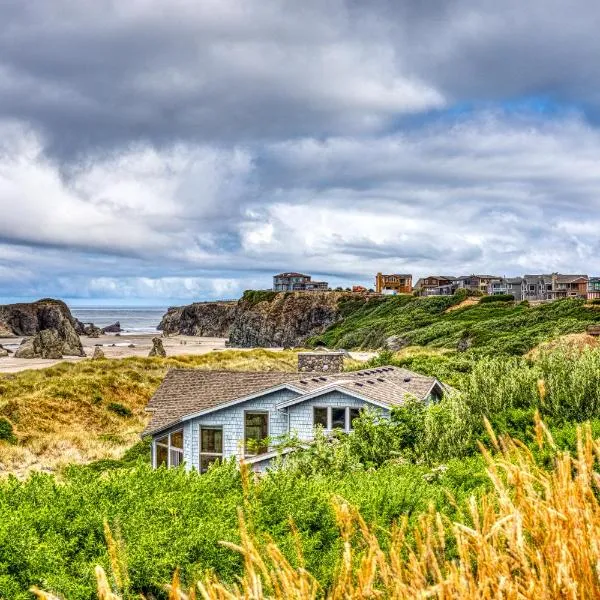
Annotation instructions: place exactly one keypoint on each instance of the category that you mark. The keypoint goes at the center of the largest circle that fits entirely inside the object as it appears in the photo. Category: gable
(187, 391)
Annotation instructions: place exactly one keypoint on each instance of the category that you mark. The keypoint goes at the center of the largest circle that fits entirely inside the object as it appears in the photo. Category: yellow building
(393, 284)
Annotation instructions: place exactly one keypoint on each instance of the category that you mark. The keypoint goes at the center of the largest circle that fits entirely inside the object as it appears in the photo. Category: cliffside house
(435, 285)
(199, 417)
(569, 286)
(475, 283)
(593, 288)
(507, 285)
(393, 284)
(297, 282)
(554, 286)
(537, 287)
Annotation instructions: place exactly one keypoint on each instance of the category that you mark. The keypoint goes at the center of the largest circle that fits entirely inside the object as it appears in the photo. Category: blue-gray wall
(232, 421)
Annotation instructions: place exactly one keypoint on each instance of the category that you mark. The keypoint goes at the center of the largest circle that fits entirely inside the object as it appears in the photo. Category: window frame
(347, 421)
(216, 455)
(170, 448)
(256, 412)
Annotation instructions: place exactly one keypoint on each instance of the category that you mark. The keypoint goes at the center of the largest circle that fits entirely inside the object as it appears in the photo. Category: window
(335, 417)
(338, 418)
(320, 416)
(256, 430)
(353, 413)
(211, 446)
(169, 449)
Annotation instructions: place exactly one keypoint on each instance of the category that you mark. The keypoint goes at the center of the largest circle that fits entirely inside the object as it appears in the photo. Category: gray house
(507, 285)
(199, 417)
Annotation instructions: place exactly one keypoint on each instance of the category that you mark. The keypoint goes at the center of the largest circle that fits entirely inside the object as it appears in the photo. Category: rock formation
(89, 329)
(114, 328)
(46, 344)
(28, 319)
(395, 343)
(5, 332)
(280, 319)
(157, 348)
(98, 353)
(31, 319)
(207, 319)
(3, 351)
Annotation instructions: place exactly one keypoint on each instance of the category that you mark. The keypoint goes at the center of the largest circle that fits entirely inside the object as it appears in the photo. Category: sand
(117, 346)
(114, 346)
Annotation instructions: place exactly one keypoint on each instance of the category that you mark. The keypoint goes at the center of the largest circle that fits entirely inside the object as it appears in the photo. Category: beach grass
(94, 409)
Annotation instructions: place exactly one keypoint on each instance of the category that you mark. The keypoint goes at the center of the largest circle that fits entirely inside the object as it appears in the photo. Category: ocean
(134, 320)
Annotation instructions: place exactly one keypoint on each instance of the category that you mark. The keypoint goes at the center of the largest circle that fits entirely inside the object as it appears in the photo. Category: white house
(202, 416)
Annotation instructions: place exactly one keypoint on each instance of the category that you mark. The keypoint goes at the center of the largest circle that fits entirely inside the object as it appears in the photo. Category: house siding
(296, 419)
(301, 415)
(232, 421)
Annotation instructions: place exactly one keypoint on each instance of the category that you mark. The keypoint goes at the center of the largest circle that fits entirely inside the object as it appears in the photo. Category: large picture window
(335, 417)
(211, 446)
(256, 430)
(169, 449)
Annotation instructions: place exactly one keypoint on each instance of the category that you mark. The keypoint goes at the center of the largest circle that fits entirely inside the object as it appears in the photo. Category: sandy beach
(124, 345)
(113, 346)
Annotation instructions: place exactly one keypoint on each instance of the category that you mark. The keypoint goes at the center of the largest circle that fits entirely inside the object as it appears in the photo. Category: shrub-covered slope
(485, 328)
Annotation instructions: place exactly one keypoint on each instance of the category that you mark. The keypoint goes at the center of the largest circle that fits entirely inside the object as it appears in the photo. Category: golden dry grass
(61, 415)
(570, 342)
(471, 301)
(534, 537)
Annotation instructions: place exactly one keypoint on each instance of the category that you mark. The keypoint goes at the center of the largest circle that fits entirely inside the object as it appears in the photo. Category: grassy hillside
(77, 412)
(438, 322)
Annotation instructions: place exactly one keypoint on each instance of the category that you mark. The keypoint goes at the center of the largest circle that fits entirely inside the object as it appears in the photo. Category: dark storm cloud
(100, 73)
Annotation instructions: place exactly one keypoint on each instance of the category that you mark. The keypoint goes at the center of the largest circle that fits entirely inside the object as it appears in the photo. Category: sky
(159, 152)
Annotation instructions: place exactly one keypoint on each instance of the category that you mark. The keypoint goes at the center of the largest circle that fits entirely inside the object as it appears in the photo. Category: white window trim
(210, 454)
(347, 424)
(169, 448)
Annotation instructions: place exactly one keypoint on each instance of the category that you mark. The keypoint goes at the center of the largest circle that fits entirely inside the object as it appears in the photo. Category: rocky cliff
(260, 319)
(29, 319)
(207, 319)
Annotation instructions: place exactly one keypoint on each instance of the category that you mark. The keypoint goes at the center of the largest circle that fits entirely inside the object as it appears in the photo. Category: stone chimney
(320, 362)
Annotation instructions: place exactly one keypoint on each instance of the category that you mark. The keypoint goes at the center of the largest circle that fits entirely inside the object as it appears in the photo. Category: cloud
(102, 73)
(484, 193)
(189, 150)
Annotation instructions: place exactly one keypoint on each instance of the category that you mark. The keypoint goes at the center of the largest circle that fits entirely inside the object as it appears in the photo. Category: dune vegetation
(411, 479)
(533, 535)
(94, 409)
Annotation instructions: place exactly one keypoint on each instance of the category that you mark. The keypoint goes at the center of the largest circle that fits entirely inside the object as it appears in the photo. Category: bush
(120, 409)
(256, 296)
(6, 431)
(497, 298)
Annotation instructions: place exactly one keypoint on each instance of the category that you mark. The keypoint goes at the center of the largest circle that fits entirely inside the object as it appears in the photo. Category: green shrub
(6, 431)
(256, 296)
(495, 327)
(497, 298)
(120, 409)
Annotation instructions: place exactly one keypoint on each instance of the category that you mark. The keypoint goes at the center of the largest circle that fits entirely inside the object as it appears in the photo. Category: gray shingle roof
(569, 278)
(187, 391)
